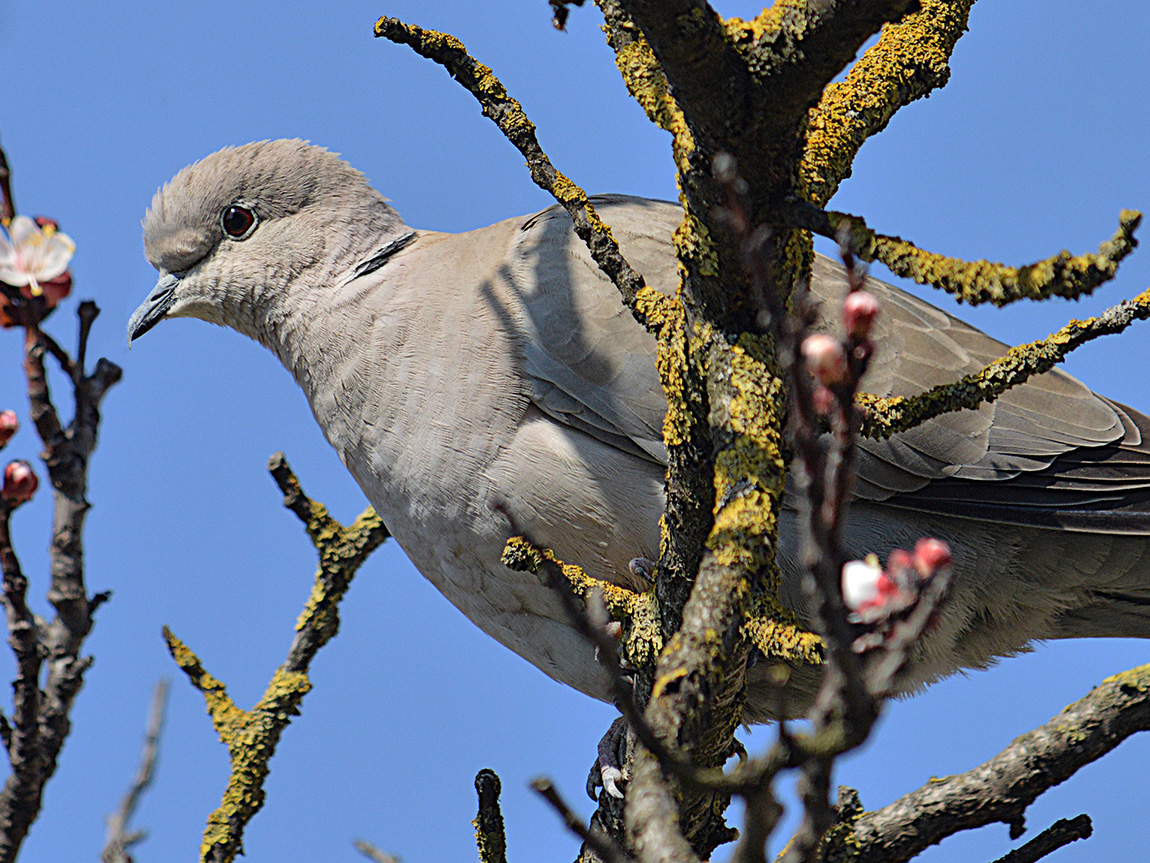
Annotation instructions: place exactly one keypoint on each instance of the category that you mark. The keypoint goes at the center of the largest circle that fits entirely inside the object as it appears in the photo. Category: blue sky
(1035, 146)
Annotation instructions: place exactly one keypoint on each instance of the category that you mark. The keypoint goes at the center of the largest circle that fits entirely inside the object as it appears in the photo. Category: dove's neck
(316, 304)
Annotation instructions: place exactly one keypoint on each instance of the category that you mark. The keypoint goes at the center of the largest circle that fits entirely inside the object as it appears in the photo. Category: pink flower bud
(931, 555)
(8, 426)
(825, 358)
(899, 560)
(19, 482)
(859, 312)
(823, 401)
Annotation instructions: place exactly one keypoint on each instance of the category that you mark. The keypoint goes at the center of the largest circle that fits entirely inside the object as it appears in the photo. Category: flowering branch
(33, 277)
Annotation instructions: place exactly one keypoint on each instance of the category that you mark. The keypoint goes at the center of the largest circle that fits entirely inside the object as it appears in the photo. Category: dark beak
(154, 307)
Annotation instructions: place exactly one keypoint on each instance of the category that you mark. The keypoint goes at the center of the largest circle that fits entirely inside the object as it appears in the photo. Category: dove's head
(238, 233)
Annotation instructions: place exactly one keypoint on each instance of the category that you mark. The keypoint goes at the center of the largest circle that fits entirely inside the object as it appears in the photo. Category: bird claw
(610, 777)
(606, 771)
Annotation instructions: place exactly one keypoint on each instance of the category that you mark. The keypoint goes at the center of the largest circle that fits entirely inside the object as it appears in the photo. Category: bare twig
(599, 842)
(372, 853)
(119, 839)
(1060, 833)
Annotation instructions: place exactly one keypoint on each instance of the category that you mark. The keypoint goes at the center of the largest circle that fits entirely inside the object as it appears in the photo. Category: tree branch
(40, 718)
(648, 306)
(1001, 789)
(887, 416)
(119, 840)
(909, 61)
(252, 736)
(1060, 833)
(488, 823)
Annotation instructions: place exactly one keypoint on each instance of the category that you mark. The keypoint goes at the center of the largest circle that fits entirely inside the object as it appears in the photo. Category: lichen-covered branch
(647, 305)
(488, 823)
(974, 282)
(909, 61)
(1001, 789)
(642, 639)
(710, 80)
(252, 735)
(645, 80)
(884, 417)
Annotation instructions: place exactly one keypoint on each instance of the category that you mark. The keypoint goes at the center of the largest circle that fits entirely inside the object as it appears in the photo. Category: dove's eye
(238, 221)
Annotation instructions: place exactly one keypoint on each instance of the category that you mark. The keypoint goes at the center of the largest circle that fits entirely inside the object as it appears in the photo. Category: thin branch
(1060, 833)
(599, 842)
(1001, 789)
(252, 736)
(888, 416)
(972, 282)
(976, 282)
(119, 839)
(372, 853)
(647, 305)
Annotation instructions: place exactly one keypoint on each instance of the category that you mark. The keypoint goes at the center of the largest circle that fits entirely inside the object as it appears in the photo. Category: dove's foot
(607, 771)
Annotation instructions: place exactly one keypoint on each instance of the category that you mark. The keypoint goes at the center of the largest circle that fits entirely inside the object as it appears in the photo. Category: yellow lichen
(742, 33)
(648, 86)
(909, 60)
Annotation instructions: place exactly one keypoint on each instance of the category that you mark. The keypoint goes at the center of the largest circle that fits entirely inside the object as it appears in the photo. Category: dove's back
(508, 390)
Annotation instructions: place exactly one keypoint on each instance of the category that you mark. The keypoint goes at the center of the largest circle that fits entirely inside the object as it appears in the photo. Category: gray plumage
(464, 376)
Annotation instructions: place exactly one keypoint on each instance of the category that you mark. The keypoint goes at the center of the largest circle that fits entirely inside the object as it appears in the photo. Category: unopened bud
(860, 309)
(931, 555)
(19, 482)
(823, 401)
(899, 560)
(825, 358)
(8, 426)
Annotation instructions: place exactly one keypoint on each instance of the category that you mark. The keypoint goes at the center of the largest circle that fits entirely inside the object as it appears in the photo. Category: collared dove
(471, 381)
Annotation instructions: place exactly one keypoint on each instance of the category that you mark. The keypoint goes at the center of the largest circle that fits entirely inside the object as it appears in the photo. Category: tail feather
(1115, 614)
